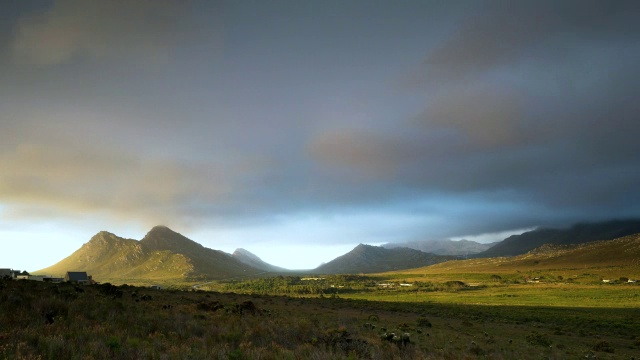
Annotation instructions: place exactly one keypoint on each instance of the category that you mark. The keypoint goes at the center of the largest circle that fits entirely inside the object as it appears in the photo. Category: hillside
(577, 234)
(254, 261)
(444, 247)
(161, 256)
(371, 259)
(620, 255)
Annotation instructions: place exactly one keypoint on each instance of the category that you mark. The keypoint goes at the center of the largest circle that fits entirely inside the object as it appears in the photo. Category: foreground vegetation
(63, 321)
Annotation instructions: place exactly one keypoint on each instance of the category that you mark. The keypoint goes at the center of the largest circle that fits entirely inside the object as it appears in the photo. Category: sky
(299, 129)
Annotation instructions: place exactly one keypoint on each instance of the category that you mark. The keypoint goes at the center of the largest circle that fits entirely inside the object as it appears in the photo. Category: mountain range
(373, 259)
(165, 256)
(444, 247)
(576, 234)
(602, 257)
(162, 255)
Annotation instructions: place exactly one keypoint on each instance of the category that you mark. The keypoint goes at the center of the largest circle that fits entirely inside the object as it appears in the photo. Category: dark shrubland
(62, 321)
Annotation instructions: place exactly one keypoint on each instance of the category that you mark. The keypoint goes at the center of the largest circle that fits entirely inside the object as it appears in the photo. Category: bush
(603, 345)
(423, 322)
(535, 338)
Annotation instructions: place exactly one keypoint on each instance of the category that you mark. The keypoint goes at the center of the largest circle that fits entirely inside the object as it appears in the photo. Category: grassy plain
(555, 295)
(49, 321)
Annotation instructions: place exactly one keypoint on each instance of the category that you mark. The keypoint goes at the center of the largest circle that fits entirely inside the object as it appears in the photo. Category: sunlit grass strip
(518, 295)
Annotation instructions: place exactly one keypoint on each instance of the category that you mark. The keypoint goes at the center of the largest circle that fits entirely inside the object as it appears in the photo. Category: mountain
(373, 259)
(444, 247)
(620, 256)
(163, 255)
(254, 261)
(577, 234)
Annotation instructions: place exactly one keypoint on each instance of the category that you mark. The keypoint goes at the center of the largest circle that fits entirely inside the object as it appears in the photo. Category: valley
(556, 301)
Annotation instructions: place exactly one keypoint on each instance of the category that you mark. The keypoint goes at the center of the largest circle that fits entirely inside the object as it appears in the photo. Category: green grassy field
(599, 296)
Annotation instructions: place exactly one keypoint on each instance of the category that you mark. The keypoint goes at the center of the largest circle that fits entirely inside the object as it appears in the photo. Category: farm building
(6, 272)
(79, 277)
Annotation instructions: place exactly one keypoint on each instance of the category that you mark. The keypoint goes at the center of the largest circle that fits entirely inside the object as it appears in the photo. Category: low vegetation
(556, 302)
(54, 321)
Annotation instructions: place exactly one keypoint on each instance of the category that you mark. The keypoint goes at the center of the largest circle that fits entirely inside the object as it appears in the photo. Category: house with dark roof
(6, 272)
(78, 277)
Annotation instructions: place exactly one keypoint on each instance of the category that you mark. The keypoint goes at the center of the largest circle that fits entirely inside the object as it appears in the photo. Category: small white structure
(155, 287)
(39, 277)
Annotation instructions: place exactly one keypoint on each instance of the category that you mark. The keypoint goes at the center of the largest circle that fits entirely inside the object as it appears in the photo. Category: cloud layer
(107, 30)
(517, 114)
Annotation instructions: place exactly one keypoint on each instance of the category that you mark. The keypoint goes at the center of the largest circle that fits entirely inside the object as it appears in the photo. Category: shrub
(423, 322)
(535, 338)
(603, 345)
(113, 343)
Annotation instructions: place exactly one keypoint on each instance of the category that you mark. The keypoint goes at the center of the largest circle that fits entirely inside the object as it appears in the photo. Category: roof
(77, 276)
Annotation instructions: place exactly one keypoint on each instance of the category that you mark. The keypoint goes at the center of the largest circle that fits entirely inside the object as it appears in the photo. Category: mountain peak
(162, 238)
(363, 247)
(161, 228)
(245, 252)
(251, 259)
(103, 237)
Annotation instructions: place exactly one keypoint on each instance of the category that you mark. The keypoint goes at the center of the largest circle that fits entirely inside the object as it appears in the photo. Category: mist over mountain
(576, 234)
(373, 259)
(444, 247)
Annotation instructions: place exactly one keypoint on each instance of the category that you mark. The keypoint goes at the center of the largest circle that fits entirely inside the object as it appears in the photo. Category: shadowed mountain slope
(444, 247)
(606, 255)
(373, 259)
(577, 234)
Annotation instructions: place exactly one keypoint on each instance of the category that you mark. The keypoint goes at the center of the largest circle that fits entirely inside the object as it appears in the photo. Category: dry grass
(47, 321)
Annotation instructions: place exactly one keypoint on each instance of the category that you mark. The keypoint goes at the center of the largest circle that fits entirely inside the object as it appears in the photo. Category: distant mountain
(254, 261)
(444, 247)
(163, 255)
(623, 251)
(373, 259)
(620, 255)
(577, 234)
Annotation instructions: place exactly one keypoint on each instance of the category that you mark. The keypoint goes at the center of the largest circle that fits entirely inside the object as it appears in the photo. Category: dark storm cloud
(527, 113)
(532, 104)
(508, 32)
(98, 29)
